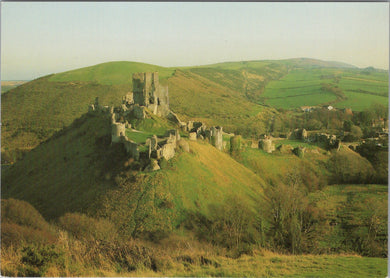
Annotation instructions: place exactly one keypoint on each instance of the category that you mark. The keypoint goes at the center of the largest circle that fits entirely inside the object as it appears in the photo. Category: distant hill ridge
(114, 72)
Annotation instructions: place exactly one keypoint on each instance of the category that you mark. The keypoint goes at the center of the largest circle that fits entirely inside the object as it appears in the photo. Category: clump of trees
(350, 167)
(378, 157)
(359, 125)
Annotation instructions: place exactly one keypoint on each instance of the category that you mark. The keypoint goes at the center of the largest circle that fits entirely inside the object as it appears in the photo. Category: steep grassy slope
(75, 169)
(67, 172)
(35, 110)
(208, 176)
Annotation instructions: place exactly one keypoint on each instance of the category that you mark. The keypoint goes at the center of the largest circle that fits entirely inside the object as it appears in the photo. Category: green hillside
(35, 110)
(77, 168)
(240, 96)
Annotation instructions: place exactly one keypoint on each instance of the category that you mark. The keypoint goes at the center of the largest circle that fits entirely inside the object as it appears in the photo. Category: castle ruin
(148, 92)
(150, 97)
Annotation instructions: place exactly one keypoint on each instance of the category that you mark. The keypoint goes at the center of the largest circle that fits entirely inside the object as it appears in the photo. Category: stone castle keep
(148, 92)
(150, 97)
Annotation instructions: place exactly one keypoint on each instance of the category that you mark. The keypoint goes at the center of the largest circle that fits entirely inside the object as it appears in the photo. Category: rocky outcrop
(174, 118)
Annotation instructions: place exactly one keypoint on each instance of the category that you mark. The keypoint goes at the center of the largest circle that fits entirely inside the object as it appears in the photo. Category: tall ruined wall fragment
(266, 145)
(148, 92)
(216, 137)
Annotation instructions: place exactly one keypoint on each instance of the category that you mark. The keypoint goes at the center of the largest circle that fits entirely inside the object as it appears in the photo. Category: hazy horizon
(38, 39)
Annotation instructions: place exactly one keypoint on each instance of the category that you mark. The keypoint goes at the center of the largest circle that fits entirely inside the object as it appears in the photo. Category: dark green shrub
(36, 260)
(347, 125)
(313, 124)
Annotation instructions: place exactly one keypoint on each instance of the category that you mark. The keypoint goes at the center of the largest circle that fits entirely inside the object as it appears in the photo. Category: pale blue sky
(49, 37)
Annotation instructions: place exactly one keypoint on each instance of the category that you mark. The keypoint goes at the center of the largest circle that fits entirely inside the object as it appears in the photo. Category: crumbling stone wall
(175, 133)
(266, 145)
(131, 148)
(128, 99)
(298, 134)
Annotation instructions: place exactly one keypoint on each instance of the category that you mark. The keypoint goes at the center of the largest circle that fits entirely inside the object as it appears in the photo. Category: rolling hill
(78, 171)
(240, 96)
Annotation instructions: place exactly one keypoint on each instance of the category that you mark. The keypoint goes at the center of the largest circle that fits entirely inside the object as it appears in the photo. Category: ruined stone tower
(216, 137)
(148, 92)
(117, 131)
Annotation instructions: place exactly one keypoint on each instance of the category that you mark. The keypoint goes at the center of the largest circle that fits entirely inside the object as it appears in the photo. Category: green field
(294, 143)
(303, 87)
(361, 101)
